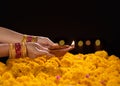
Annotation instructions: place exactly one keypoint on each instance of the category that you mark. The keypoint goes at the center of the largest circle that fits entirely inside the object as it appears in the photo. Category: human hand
(46, 42)
(46, 46)
(35, 50)
(55, 48)
(62, 49)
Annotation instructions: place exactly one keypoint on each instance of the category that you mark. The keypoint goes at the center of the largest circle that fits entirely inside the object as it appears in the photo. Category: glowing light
(80, 43)
(61, 42)
(73, 43)
(97, 42)
(88, 42)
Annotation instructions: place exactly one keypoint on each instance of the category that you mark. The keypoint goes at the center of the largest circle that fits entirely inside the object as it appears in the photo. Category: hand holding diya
(60, 50)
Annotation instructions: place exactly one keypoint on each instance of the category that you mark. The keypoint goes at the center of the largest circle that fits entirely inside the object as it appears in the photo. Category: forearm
(9, 36)
(4, 50)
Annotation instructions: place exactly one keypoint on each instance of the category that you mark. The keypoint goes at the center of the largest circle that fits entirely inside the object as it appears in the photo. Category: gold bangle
(34, 39)
(24, 50)
(11, 51)
(24, 38)
(27, 38)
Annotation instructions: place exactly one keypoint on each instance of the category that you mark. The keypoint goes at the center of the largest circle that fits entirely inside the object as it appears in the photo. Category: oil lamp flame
(73, 43)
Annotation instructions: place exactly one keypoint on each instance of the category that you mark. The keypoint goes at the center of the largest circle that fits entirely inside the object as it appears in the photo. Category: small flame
(73, 43)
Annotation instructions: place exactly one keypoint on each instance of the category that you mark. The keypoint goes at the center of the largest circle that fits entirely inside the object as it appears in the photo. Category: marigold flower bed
(92, 69)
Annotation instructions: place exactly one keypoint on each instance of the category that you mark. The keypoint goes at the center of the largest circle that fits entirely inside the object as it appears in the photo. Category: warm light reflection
(97, 42)
(61, 42)
(88, 42)
(80, 43)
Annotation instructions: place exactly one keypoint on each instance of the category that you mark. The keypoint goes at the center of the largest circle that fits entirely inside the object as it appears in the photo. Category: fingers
(54, 47)
(43, 52)
(36, 50)
(40, 47)
(63, 48)
(67, 49)
(45, 41)
(55, 50)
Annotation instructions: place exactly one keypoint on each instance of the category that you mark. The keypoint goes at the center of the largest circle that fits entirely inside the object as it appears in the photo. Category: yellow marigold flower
(6, 76)
(66, 62)
(113, 82)
(102, 53)
(2, 68)
(40, 60)
(113, 58)
(92, 69)
(20, 69)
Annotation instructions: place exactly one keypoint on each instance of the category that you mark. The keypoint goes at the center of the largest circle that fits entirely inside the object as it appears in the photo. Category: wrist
(4, 50)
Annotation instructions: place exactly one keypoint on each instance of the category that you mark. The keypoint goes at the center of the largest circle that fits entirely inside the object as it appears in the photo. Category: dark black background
(68, 20)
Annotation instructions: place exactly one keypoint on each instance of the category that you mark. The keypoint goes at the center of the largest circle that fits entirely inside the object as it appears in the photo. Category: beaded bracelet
(17, 50)
(27, 38)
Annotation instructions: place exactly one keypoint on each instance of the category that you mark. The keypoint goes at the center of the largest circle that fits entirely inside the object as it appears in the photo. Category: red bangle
(18, 50)
(29, 38)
